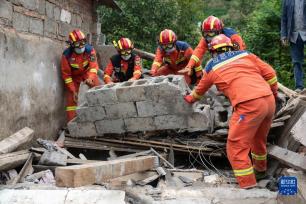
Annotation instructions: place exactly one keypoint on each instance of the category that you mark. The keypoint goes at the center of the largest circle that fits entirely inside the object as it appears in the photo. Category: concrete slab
(66, 196)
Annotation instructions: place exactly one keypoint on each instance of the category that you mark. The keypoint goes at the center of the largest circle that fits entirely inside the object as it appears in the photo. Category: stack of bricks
(144, 105)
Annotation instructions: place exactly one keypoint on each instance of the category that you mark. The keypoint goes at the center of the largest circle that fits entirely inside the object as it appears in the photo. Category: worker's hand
(109, 82)
(187, 70)
(89, 82)
(75, 97)
(153, 72)
(189, 99)
(132, 79)
(285, 41)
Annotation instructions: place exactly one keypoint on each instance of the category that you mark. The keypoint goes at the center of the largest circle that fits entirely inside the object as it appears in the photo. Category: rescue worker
(211, 27)
(125, 65)
(78, 63)
(173, 55)
(251, 86)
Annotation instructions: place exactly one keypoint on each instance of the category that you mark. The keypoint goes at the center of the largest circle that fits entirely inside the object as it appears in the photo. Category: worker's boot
(260, 175)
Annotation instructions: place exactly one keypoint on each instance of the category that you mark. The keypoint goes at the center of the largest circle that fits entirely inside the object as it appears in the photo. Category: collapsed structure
(146, 105)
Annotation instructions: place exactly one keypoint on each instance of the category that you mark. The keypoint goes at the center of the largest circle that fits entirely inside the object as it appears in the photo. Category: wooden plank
(14, 141)
(288, 157)
(80, 161)
(100, 172)
(12, 160)
(26, 170)
(298, 130)
(287, 91)
(162, 158)
(144, 153)
(148, 180)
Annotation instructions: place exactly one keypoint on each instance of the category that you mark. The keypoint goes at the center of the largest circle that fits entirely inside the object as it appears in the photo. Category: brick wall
(49, 18)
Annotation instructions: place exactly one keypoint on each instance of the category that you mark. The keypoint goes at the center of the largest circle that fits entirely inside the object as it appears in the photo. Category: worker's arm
(268, 73)
(197, 67)
(157, 63)
(137, 68)
(238, 42)
(108, 73)
(93, 66)
(197, 93)
(198, 54)
(66, 74)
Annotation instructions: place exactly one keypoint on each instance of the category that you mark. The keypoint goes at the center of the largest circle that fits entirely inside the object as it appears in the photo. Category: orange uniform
(202, 47)
(124, 70)
(165, 64)
(76, 68)
(250, 84)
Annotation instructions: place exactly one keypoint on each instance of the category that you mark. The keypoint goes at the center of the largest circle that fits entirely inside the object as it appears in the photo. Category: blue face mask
(79, 50)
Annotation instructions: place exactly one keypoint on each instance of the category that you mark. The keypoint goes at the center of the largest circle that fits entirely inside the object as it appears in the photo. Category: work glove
(75, 97)
(189, 99)
(132, 79)
(285, 41)
(89, 82)
(153, 72)
(187, 70)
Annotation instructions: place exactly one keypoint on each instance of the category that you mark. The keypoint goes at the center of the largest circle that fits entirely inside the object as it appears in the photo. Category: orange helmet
(211, 26)
(219, 42)
(76, 36)
(124, 46)
(167, 37)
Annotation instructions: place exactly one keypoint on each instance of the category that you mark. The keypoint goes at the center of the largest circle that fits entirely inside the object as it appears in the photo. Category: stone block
(175, 104)
(36, 26)
(115, 126)
(79, 129)
(50, 10)
(50, 26)
(42, 7)
(101, 172)
(65, 16)
(6, 10)
(159, 88)
(90, 114)
(102, 95)
(139, 124)
(21, 22)
(150, 108)
(28, 4)
(64, 29)
(199, 122)
(167, 122)
(127, 92)
(121, 110)
(57, 13)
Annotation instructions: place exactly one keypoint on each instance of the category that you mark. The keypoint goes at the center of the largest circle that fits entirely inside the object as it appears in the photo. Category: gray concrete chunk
(198, 122)
(121, 110)
(6, 10)
(127, 92)
(50, 26)
(110, 126)
(102, 95)
(36, 26)
(81, 129)
(139, 124)
(150, 108)
(50, 10)
(53, 158)
(21, 22)
(90, 114)
(167, 122)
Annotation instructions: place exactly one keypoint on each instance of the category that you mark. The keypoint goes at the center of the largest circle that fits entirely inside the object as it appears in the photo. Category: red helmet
(220, 41)
(76, 36)
(211, 25)
(167, 37)
(124, 46)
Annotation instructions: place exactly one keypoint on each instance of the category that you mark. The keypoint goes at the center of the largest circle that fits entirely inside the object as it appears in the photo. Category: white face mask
(126, 57)
(79, 50)
(168, 51)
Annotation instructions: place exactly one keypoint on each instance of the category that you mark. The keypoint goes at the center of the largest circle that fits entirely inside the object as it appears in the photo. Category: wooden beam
(27, 169)
(12, 160)
(14, 141)
(288, 157)
(287, 91)
(100, 172)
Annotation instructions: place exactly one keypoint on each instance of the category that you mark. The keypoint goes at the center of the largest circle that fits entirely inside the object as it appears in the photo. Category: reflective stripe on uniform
(68, 80)
(106, 76)
(272, 81)
(195, 95)
(85, 63)
(157, 63)
(229, 60)
(199, 68)
(74, 65)
(166, 59)
(244, 172)
(180, 60)
(259, 157)
(71, 108)
(137, 72)
(195, 58)
(93, 70)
